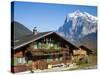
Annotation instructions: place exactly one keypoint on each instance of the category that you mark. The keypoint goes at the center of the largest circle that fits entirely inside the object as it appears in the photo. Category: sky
(45, 16)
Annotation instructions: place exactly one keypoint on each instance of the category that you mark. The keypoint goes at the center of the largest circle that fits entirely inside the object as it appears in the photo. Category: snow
(82, 24)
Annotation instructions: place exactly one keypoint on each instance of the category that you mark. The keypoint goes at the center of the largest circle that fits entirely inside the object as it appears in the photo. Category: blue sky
(44, 16)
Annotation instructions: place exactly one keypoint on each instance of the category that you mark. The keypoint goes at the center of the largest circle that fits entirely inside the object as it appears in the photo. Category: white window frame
(21, 60)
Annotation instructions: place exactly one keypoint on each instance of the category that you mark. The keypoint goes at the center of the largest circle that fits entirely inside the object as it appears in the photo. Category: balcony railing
(50, 51)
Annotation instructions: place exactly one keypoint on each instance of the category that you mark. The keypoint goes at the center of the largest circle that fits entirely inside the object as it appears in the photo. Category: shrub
(82, 61)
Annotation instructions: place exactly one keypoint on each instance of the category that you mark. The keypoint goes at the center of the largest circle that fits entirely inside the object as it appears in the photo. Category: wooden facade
(82, 53)
(79, 54)
(40, 54)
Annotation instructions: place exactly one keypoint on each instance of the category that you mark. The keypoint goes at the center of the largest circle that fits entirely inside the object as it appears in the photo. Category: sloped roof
(31, 38)
(85, 48)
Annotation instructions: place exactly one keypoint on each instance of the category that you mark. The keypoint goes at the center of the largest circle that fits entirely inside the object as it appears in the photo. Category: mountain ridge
(78, 26)
(19, 30)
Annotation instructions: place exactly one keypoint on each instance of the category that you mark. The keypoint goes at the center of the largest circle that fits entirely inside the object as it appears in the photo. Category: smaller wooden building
(81, 53)
(88, 51)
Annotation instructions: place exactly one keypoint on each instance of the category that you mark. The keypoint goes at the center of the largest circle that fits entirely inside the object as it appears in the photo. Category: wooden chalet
(40, 50)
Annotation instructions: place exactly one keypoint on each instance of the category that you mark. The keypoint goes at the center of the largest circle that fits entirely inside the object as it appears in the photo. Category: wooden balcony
(39, 52)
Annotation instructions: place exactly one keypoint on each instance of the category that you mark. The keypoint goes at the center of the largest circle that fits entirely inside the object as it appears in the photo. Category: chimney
(35, 31)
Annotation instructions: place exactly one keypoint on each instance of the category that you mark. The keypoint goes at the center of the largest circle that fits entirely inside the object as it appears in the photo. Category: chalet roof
(22, 41)
(85, 48)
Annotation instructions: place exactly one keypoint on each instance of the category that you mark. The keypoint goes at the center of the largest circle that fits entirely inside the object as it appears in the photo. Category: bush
(82, 61)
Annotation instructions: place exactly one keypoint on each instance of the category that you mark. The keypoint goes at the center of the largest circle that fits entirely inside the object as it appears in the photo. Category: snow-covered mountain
(77, 25)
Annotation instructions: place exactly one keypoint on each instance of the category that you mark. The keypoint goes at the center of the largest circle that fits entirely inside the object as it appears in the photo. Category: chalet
(81, 53)
(40, 51)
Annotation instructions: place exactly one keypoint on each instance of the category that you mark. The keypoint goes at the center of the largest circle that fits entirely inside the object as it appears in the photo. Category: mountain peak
(75, 13)
(78, 13)
(78, 25)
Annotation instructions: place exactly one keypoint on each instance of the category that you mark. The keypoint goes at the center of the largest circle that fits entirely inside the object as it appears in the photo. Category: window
(35, 45)
(21, 60)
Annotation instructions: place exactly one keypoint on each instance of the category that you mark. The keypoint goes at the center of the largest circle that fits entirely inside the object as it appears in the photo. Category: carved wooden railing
(49, 51)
